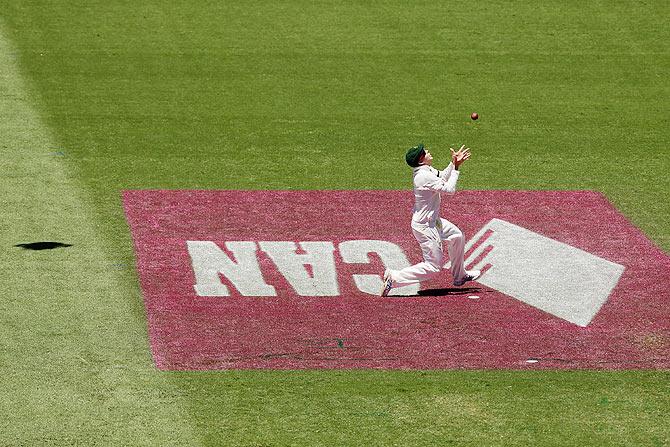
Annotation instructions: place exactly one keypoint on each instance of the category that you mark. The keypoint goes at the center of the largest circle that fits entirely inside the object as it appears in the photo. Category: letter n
(244, 272)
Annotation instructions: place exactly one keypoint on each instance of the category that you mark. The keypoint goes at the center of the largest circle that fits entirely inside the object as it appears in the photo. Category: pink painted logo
(291, 280)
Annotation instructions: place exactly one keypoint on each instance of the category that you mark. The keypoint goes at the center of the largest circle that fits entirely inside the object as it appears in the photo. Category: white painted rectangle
(552, 276)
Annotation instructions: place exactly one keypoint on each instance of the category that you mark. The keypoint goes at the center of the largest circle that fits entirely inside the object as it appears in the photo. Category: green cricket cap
(414, 154)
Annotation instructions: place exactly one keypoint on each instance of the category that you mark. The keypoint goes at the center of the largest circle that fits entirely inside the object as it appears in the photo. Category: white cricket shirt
(429, 183)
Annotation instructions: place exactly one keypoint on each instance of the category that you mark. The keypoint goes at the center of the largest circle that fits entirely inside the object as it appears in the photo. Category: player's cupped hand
(459, 157)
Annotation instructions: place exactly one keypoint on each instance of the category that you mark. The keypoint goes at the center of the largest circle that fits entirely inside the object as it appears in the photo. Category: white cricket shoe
(469, 276)
(388, 283)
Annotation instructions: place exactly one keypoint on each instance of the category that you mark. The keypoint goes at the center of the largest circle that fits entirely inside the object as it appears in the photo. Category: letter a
(244, 273)
(319, 255)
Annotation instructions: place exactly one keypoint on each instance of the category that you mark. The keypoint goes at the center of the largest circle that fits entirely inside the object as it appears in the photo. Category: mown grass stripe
(69, 330)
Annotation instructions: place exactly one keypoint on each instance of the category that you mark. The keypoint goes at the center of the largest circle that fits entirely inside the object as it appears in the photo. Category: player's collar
(422, 167)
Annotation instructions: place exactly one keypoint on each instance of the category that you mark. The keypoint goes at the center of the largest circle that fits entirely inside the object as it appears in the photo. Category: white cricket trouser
(430, 239)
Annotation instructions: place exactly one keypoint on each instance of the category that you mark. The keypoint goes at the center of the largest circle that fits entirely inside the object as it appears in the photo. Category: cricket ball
(474, 116)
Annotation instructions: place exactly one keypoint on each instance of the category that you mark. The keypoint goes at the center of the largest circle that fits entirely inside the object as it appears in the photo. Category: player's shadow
(42, 245)
(442, 292)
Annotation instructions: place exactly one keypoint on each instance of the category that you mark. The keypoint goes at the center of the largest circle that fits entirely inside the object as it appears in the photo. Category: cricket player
(429, 229)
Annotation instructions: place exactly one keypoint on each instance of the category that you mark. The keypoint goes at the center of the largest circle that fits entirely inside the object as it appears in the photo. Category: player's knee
(457, 238)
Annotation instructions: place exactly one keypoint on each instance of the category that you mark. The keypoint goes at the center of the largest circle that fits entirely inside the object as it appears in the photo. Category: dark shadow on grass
(442, 292)
(42, 245)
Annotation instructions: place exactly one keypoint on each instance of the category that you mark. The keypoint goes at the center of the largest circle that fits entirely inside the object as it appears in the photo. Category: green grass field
(97, 97)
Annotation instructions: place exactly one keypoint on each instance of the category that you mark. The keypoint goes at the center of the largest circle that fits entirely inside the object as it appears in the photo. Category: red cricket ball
(474, 116)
